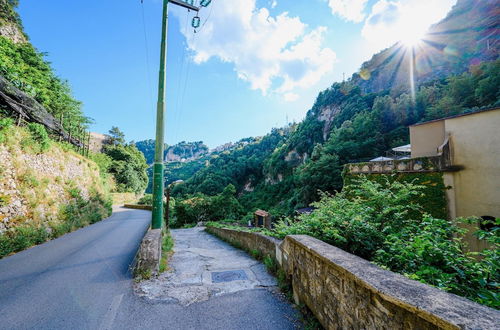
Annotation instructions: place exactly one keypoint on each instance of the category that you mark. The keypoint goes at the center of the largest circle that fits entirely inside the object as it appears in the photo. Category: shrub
(381, 223)
(5, 124)
(39, 136)
(147, 199)
(21, 238)
(76, 214)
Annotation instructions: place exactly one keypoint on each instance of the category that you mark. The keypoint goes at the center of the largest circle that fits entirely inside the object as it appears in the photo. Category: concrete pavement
(82, 281)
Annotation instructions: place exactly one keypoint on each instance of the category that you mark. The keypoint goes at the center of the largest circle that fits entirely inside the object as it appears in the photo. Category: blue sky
(254, 63)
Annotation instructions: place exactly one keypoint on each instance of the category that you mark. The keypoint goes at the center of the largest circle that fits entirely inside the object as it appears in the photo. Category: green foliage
(147, 199)
(8, 13)
(27, 69)
(76, 214)
(289, 167)
(432, 194)
(5, 124)
(201, 207)
(116, 137)
(104, 163)
(39, 136)
(166, 251)
(384, 223)
(147, 147)
(21, 238)
(128, 167)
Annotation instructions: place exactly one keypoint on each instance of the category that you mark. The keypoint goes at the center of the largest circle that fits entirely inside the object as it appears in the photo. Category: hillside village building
(466, 149)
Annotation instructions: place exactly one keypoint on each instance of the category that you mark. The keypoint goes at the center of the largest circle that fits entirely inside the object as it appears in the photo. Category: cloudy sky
(251, 66)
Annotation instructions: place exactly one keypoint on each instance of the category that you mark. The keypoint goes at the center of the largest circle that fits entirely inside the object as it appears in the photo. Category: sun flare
(411, 35)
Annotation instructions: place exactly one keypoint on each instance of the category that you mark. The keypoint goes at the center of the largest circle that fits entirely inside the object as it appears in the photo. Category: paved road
(82, 281)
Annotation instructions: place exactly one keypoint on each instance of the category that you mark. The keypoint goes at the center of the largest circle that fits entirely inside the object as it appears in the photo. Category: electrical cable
(146, 43)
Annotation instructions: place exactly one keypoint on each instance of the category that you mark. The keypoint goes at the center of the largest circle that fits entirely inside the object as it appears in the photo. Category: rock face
(186, 151)
(11, 31)
(24, 106)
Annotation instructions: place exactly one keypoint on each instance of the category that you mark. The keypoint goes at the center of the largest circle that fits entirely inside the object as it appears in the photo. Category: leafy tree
(116, 137)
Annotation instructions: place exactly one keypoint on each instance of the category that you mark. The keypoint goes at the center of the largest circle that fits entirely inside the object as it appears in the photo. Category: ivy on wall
(433, 197)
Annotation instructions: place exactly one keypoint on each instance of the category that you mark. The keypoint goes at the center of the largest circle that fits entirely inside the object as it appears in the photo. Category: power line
(146, 43)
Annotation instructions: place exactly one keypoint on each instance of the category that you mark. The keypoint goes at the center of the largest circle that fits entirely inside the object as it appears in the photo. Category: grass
(167, 251)
(49, 212)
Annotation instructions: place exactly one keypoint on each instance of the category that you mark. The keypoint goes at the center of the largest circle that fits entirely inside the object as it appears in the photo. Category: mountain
(185, 151)
(467, 36)
(455, 69)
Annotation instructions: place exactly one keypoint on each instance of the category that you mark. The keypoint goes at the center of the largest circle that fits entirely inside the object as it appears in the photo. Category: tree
(128, 166)
(116, 137)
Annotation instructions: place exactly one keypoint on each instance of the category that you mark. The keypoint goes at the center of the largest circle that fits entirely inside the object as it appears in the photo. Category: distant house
(466, 149)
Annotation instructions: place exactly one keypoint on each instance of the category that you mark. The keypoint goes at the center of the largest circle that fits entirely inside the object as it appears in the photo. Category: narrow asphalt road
(82, 281)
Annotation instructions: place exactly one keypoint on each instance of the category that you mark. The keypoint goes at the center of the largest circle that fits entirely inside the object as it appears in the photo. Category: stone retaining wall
(148, 257)
(347, 292)
(138, 207)
(267, 246)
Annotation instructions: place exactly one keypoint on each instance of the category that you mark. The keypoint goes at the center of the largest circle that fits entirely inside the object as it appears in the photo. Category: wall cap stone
(443, 309)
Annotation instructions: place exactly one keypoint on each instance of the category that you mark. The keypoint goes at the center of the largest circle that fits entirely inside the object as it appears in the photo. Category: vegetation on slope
(46, 189)
(288, 168)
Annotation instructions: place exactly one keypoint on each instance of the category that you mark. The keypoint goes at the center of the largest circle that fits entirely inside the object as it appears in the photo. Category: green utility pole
(158, 168)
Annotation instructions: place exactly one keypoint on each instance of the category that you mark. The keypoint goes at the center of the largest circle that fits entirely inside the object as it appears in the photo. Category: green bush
(147, 199)
(383, 223)
(40, 137)
(5, 124)
(76, 214)
(21, 238)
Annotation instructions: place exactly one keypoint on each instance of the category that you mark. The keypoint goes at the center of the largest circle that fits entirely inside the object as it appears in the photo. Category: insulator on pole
(205, 3)
(196, 22)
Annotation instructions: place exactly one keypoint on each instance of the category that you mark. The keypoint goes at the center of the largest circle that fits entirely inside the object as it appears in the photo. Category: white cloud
(350, 10)
(274, 54)
(290, 97)
(274, 4)
(404, 20)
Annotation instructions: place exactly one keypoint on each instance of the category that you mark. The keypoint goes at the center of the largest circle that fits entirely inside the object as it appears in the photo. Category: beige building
(471, 142)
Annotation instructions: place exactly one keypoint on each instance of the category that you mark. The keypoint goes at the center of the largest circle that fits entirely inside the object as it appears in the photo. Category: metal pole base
(158, 190)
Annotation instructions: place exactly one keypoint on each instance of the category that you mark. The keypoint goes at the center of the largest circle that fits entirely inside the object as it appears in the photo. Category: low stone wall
(138, 207)
(347, 292)
(149, 255)
(267, 246)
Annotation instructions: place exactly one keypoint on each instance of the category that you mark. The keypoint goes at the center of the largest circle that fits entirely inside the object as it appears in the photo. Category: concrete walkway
(204, 266)
(82, 281)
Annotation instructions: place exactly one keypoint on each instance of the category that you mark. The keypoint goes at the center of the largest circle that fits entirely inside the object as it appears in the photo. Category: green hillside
(363, 117)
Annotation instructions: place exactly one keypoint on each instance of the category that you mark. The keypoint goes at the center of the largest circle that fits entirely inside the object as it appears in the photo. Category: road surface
(82, 281)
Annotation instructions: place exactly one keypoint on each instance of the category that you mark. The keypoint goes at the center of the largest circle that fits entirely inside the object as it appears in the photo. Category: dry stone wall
(33, 187)
(267, 246)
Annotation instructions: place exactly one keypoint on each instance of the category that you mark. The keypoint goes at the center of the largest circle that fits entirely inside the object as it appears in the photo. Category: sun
(411, 37)
(411, 33)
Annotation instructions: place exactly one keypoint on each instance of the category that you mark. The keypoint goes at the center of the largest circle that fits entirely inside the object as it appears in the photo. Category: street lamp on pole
(158, 166)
